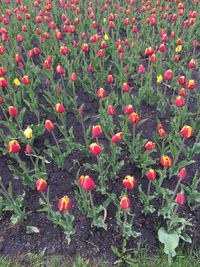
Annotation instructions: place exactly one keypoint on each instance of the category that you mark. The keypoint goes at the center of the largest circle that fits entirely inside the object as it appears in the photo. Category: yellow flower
(106, 37)
(179, 48)
(16, 82)
(104, 20)
(159, 79)
(28, 133)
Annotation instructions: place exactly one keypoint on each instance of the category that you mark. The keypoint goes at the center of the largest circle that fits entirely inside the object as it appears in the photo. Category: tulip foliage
(106, 94)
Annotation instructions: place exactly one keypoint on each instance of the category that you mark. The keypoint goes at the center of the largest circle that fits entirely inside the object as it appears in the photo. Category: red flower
(191, 84)
(179, 101)
(41, 185)
(86, 182)
(168, 75)
(192, 64)
(25, 80)
(85, 48)
(101, 93)
(49, 125)
(150, 145)
(186, 131)
(60, 108)
(181, 80)
(141, 69)
(151, 174)
(134, 118)
(111, 110)
(180, 199)
(14, 146)
(96, 131)
(166, 161)
(64, 50)
(73, 77)
(125, 202)
(182, 173)
(3, 82)
(125, 87)
(129, 181)
(64, 203)
(117, 137)
(28, 149)
(13, 112)
(60, 69)
(128, 109)
(95, 149)
(110, 79)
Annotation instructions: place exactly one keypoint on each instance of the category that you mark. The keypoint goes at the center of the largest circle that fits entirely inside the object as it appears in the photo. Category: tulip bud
(191, 84)
(85, 48)
(125, 87)
(151, 174)
(125, 202)
(60, 108)
(182, 173)
(64, 203)
(28, 133)
(110, 79)
(86, 182)
(159, 79)
(141, 69)
(13, 112)
(111, 110)
(129, 182)
(134, 118)
(179, 101)
(28, 149)
(96, 131)
(95, 149)
(101, 93)
(3, 82)
(186, 131)
(14, 146)
(168, 75)
(25, 80)
(117, 137)
(60, 70)
(73, 77)
(128, 109)
(180, 199)
(41, 185)
(165, 161)
(181, 80)
(150, 145)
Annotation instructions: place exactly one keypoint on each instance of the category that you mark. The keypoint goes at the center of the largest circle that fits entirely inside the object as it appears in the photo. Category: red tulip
(128, 109)
(180, 199)
(28, 149)
(134, 118)
(186, 131)
(168, 75)
(64, 203)
(95, 149)
(151, 174)
(182, 173)
(125, 202)
(13, 112)
(111, 110)
(14, 146)
(41, 185)
(179, 101)
(101, 93)
(86, 182)
(49, 125)
(96, 131)
(166, 161)
(129, 182)
(60, 108)
(150, 145)
(117, 137)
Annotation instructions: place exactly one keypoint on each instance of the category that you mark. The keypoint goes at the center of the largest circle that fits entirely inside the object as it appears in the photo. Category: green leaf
(32, 229)
(186, 238)
(170, 241)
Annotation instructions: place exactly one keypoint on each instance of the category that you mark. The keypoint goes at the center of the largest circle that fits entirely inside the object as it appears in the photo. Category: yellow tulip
(179, 48)
(16, 82)
(159, 79)
(28, 133)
